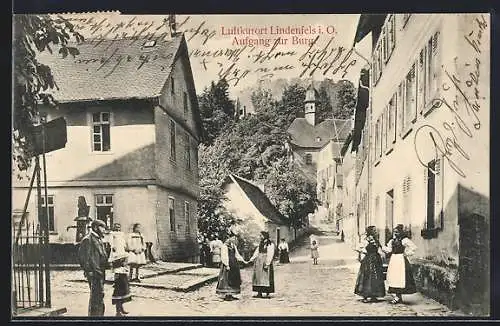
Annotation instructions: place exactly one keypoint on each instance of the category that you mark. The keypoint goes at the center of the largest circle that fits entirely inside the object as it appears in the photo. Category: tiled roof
(112, 69)
(259, 200)
(304, 134)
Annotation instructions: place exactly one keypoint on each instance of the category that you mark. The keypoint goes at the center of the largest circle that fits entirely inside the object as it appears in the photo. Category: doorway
(389, 214)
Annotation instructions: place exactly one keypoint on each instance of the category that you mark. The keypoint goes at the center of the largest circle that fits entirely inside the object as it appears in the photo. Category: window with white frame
(308, 159)
(187, 151)
(171, 213)
(101, 132)
(104, 208)
(49, 208)
(391, 117)
(385, 125)
(391, 35)
(407, 199)
(185, 103)
(432, 70)
(172, 140)
(433, 180)
(410, 98)
(400, 110)
(187, 216)
(384, 45)
(421, 81)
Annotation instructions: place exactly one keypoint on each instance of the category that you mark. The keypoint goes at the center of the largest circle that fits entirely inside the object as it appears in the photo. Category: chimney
(173, 26)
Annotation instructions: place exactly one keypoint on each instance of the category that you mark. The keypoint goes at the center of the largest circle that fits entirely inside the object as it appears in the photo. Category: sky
(245, 49)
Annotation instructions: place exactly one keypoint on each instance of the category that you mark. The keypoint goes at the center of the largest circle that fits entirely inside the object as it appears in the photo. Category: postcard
(251, 165)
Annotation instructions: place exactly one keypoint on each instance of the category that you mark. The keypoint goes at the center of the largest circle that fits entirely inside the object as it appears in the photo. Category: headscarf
(399, 231)
(264, 242)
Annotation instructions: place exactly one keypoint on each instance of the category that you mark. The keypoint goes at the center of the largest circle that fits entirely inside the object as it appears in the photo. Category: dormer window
(150, 44)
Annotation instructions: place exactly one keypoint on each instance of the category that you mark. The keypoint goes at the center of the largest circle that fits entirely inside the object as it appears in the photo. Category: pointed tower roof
(312, 94)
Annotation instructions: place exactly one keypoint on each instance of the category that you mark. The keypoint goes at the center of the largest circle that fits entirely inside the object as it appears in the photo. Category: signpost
(47, 137)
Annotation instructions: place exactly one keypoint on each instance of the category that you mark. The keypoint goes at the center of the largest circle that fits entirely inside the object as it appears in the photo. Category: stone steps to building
(40, 312)
(182, 277)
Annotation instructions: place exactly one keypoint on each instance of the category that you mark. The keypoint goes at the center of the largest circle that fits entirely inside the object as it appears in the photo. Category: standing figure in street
(399, 273)
(263, 272)
(370, 281)
(118, 241)
(206, 251)
(121, 292)
(136, 249)
(215, 250)
(229, 282)
(93, 259)
(283, 252)
(315, 251)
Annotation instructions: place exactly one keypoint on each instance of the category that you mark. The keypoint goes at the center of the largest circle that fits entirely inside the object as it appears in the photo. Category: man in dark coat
(93, 259)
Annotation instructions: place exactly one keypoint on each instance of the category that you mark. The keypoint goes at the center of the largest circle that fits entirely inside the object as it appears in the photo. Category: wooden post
(45, 224)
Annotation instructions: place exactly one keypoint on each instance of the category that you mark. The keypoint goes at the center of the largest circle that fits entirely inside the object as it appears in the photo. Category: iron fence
(29, 271)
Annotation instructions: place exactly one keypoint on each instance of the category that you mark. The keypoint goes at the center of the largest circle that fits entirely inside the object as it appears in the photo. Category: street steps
(183, 277)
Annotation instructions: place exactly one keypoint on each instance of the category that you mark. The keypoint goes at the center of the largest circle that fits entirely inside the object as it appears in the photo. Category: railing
(28, 269)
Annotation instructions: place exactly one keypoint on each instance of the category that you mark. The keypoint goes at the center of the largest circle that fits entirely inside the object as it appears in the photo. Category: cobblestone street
(302, 290)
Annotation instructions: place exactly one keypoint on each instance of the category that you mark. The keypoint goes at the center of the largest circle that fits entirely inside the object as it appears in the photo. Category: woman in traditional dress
(118, 240)
(136, 250)
(229, 281)
(370, 282)
(399, 272)
(121, 291)
(263, 272)
(215, 249)
(283, 252)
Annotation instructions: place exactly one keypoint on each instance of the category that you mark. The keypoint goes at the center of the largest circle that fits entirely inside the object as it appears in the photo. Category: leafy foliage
(255, 148)
(347, 100)
(216, 109)
(32, 34)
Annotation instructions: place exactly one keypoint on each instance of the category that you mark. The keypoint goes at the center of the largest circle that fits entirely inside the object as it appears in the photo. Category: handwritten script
(461, 97)
(236, 61)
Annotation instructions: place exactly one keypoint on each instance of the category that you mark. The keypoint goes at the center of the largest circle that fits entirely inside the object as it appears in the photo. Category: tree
(289, 190)
(216, 109)
(262, 99)
(324, 109)
(347, 100)
(32, 79)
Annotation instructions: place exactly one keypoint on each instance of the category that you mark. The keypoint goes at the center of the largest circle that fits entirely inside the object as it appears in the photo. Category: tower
(310, 104)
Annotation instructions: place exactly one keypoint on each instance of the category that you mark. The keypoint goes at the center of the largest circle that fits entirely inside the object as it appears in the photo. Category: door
(389, 214)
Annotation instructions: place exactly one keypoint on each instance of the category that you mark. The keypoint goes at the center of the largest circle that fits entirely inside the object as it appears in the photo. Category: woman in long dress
(370, 281)
(263, 272)
(229, 281)
(121, 289)
(399, 272)
(215, 249)
(118, 240)
(136, 250)
(283, 252)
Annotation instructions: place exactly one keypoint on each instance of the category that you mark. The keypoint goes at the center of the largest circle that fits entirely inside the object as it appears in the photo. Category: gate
(30, 256)
(29, 272)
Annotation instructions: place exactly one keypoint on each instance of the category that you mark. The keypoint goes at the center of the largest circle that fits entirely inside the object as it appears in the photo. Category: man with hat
(93, 259)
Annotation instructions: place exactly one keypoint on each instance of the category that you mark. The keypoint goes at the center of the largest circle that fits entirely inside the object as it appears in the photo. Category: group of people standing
(127, 255)
(370, 283)
(229, 281)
